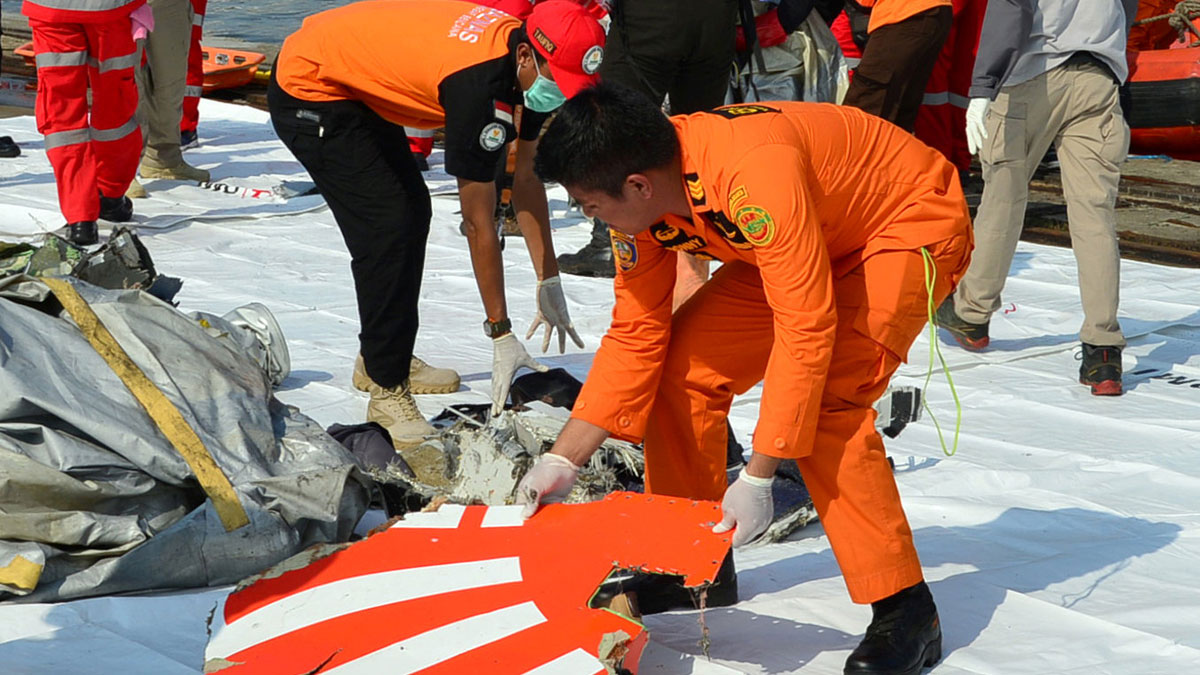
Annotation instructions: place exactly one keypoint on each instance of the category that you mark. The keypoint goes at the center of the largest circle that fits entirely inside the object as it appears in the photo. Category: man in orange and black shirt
(829, 221)
(345, 86)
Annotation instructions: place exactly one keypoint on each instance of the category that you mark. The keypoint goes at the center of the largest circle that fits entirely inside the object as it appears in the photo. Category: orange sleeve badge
(754, 222)
(624, 250)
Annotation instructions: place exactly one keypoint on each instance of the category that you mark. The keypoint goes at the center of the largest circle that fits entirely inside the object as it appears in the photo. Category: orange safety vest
(886, 12)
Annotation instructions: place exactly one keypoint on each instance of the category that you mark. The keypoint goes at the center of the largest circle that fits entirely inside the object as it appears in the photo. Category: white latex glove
(142, 22)
(549, 481)
(552, 312)
(508, 356)
(748, 507)
(976, 132)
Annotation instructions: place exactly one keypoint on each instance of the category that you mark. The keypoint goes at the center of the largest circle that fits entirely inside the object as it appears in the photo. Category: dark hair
(601, 136)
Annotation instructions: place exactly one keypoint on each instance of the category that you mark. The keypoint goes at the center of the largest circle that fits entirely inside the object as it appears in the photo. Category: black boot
(82, 233)
(8, 147)
(904, 637)
(593, 260)
(116, 209)
(657, 593)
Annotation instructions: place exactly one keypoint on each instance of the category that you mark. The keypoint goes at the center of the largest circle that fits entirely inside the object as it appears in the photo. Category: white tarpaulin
(1062, 538)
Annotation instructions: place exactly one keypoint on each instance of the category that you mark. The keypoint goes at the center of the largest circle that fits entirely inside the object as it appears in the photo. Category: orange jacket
(803, 191)
(887, 12)
(392, 55)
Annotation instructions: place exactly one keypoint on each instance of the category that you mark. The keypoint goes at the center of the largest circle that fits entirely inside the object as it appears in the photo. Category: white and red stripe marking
(463, 590)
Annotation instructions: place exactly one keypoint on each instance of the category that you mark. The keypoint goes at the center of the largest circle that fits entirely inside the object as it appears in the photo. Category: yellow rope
(935, 348)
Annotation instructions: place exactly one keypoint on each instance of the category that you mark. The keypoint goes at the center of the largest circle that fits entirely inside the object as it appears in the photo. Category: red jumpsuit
(93, 150)
(819, 213)
(942, 118)
(195, 70)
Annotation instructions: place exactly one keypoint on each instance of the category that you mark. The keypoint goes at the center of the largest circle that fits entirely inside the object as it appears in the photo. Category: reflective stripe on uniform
(115, 134)
(56, 59)
(193, 90)
(82, 5)
(197, 19)
(116, 62)
(60, 139)
(935, 98)
(942, 98)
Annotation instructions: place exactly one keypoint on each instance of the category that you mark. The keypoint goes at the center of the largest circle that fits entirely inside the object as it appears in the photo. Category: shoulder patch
(493, 136)
(695, 188)
(756, 224)
(738, 196)
(741, 110)
(624, 250)
(675, 239)
(504, 111)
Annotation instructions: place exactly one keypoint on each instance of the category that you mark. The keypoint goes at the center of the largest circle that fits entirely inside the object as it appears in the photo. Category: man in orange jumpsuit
(93, 149)
(828, 221)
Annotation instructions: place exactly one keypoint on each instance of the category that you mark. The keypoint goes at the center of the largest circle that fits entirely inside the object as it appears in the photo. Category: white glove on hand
(976, 132)
(548, 482)
(508, 356)
(552, 311)
(748, 506)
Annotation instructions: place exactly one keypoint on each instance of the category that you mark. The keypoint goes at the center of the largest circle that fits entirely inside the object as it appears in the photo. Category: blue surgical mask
(543, 95)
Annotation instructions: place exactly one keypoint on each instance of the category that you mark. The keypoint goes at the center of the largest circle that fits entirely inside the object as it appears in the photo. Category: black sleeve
(531, 124)
(1007, 25)
(792, 13)
(476, 129)
(829, 9)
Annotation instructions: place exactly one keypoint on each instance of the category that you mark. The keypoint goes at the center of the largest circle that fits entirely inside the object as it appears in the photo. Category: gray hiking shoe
(422, 378)
(396, 410)
(135, 190)
(184, 171)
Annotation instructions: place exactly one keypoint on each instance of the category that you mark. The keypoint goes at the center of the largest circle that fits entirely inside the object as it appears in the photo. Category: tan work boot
(422, 378)
(396, 410)
(135, 190)
(184, 171)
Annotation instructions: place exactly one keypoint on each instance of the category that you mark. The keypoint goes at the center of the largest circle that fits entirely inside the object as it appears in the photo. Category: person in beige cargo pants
(1057, 84)
(162, 83)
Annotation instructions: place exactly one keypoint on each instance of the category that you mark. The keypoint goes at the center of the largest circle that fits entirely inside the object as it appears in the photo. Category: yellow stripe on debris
(164, 413)
(20, 573)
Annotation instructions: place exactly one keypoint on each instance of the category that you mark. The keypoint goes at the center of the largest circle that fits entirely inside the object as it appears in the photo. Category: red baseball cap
(571, 41)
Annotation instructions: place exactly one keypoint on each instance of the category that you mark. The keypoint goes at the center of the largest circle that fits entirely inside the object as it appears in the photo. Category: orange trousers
(720, 342)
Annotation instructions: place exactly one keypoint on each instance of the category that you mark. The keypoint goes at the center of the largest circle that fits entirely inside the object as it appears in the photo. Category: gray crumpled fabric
(92, 490)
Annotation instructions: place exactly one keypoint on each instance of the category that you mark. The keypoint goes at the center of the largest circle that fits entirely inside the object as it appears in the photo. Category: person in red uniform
(905, 38)
(93, 149)
(190, 122)
(341, 107)
(829, 222)
(942, 118)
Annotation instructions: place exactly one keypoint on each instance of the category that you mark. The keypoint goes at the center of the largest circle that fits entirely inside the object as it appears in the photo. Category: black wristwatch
(495, 329)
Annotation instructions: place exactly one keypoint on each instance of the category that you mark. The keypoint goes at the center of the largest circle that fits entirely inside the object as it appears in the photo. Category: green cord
(935, 348)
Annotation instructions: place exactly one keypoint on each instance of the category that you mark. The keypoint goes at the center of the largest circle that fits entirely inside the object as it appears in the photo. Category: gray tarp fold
(95, 494)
